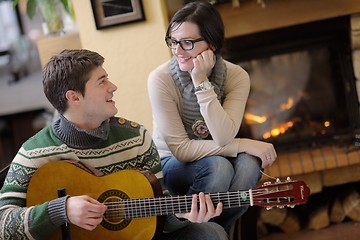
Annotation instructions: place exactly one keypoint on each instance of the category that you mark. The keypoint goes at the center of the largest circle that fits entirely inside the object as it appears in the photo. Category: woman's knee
(248, 164)
(214, 174)
(218, 167)
(247, 171)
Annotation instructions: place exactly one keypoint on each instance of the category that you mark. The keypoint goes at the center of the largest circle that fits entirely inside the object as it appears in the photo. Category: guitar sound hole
(114, 217)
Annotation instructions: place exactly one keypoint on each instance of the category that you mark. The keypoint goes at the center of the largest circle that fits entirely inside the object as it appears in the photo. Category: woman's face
(187, 31)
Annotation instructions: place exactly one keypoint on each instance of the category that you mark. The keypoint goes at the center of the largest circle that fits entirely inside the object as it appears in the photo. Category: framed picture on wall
(109, 13)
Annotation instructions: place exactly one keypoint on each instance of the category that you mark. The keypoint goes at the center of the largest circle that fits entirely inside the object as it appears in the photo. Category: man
(78, 87)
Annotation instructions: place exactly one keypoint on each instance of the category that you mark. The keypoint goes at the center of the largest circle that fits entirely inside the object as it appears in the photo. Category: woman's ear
(212, 48)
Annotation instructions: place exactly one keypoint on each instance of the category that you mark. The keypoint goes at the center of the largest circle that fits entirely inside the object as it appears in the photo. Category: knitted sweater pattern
(118, 144)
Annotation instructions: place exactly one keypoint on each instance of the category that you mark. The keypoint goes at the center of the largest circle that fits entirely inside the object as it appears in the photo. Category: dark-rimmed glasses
(185, 44)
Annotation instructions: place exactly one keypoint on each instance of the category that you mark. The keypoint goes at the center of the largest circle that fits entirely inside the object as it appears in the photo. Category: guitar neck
(279, 195)
(146, 207)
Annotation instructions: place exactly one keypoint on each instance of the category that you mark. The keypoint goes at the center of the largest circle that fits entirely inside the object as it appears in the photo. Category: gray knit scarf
(191, 117)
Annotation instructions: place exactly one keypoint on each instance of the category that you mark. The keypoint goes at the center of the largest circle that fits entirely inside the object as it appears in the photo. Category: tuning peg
(269, 208)
(291, 206)
(288, 179)
(281, 206)
(266, 183)
(278, 180)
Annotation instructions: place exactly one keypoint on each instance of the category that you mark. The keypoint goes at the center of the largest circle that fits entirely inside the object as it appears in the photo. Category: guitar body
(119, 185)
(134, 199)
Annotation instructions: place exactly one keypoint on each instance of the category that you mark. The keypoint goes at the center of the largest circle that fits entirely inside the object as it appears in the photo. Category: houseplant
(51, 12)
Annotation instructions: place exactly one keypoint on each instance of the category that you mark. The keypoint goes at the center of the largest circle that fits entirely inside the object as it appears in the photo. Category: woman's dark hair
(69, 70)
(206, 17)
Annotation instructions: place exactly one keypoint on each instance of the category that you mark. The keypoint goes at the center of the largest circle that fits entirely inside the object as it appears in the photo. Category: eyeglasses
(184, 44)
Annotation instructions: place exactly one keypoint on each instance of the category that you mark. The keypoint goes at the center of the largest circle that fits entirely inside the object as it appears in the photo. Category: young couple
(198, 101)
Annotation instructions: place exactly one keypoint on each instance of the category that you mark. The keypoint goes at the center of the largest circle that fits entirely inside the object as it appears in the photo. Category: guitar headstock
(281, 194)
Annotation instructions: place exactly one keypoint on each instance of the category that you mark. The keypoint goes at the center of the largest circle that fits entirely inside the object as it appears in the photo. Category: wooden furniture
(50, 46)
(3, 173)
(20, 104)
(250, 17)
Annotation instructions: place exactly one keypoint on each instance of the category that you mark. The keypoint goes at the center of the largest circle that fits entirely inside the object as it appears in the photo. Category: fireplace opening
(303, 91)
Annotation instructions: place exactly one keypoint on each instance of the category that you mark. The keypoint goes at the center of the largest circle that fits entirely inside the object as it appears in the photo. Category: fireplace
(303, 99)
(303, 92)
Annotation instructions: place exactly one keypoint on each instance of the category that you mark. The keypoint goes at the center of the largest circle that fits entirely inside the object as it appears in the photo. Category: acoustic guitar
(135, 202)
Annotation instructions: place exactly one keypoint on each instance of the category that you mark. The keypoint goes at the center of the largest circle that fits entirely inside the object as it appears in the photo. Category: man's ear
(72, 96)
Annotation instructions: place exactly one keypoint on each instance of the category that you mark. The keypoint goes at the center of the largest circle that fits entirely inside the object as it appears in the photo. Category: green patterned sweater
(118, 144)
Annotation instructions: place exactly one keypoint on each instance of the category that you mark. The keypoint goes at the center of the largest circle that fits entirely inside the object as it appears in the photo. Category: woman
(198, 101)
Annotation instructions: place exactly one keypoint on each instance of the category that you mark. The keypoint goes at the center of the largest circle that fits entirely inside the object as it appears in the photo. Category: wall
(131, 51)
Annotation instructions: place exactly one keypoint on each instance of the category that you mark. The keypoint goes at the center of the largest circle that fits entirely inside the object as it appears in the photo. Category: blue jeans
(213, 174)
(197, 231)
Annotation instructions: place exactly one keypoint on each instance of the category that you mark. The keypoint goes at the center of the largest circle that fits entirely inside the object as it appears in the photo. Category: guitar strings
(149, 206)
(262, 172)
(155, 209)
(231, 195)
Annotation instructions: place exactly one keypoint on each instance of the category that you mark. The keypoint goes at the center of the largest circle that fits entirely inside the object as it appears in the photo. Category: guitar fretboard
(137, 208)
(279, 194)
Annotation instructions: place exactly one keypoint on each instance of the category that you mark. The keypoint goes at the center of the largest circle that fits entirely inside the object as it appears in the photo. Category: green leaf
(15, 2)
(68, 7)
(31, 8)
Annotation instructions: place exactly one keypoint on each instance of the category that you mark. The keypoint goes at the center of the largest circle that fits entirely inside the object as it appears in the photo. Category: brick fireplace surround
(319, 167)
